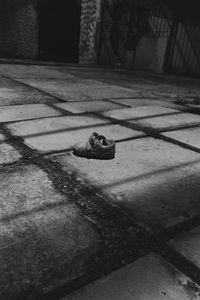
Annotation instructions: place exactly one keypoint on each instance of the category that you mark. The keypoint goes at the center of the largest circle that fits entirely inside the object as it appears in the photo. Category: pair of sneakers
(98, 146)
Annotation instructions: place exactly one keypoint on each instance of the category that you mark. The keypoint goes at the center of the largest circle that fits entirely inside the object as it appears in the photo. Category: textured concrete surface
(43, 237)
(23, 112)
(89, 106)
(87, 217)
(64, 132)
(66, 140)
(189, 136)
(34, 71)
(12, 93)
(53, 125)
(188, 245)
(81, 89)
(150, 278)
(160, 86)
(139, 112)
(155, 181)
(147, 100)
(161, 118)
(8, 154)
(197, 106)
(171, 121)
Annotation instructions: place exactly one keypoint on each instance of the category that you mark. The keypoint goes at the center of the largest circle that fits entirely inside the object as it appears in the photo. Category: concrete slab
(170, 122)
(66, 140)
(162, 84)
(195, 106)
(188, 136)
(89, 106)
(44, 239)
(159, 118)
(33, 71)
(156, 182)
(149, 278)
(53, 125)
(23, 112)
(81, 89)
(63, 133)
(149, 101)
(8, 154)
(188, 245)
(139, 112)
(12, 93)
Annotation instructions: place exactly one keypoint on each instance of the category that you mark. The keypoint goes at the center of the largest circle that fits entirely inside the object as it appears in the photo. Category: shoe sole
(94, 156)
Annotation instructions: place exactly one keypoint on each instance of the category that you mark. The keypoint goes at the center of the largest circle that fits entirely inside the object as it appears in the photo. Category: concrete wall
(18, 31)
(90, 30)
(150, 54)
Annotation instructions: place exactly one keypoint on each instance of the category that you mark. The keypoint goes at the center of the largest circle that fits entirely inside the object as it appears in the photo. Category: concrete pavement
(73, 228)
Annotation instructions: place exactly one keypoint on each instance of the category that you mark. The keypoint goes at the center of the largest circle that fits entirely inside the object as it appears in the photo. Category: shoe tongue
(95, 140)
(91, 140)
(88, 145)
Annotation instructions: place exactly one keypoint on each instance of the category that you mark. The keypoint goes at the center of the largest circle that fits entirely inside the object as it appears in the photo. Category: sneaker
(96, 147)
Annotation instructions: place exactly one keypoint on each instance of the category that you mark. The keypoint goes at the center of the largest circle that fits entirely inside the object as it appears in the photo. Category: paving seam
(60, 99)
(180, 228)
(179, 127)
(122, 104)
(186, 109)
(143, 89)
(189, 109)
(169, 254)
(155, 133)
(33, 88)
(111, 100)
(83, 66)
(71, 148)
(179, 143)
(169, 232)
(180, 262)
(123, 241)
(31, 119)
(67, 130)
(11, 164)
(64, 112)
(95, 208)
(41, 118)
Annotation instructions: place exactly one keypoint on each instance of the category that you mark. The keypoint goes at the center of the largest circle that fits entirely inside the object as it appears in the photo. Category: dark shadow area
(35, 210)
(160, 201)
(65, 130)
(149, 174)
(59, 30)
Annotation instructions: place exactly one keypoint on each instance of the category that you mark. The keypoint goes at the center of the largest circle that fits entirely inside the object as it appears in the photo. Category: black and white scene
(99, 150)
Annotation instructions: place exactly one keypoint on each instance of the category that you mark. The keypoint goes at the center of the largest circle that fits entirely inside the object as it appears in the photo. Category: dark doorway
(59, 30)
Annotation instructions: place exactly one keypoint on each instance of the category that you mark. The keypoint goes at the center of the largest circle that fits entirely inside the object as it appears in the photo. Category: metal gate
(122, 26)
(124, 22)
(183, 53)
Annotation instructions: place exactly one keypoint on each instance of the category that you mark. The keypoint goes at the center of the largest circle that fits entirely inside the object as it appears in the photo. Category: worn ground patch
(44, 239)
(149, 278)
(154, 181)
(8, 154)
